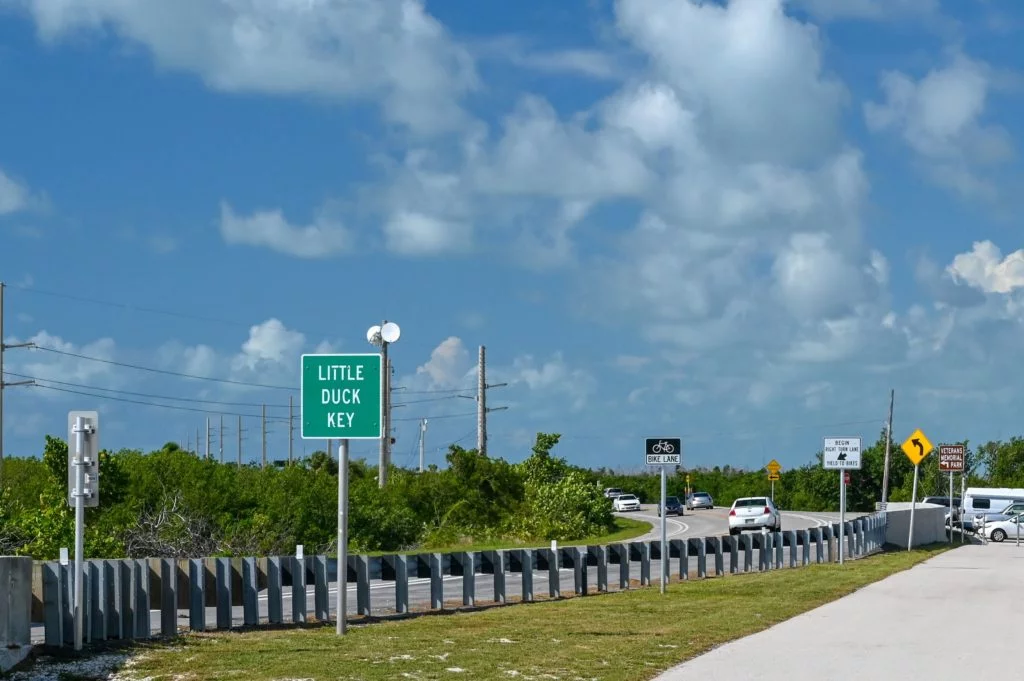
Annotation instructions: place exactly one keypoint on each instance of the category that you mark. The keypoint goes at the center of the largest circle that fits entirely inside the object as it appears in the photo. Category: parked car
(672, 507)
(626, 502)
(699, 500)
(1000, 530)
(612, 492)
(754, 513)
(988, 503)
(944, 502)
(1006, 513)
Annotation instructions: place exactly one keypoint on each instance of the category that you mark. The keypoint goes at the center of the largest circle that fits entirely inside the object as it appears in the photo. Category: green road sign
(341, 397)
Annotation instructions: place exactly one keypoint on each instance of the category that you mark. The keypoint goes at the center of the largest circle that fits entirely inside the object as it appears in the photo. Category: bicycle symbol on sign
(663, 447)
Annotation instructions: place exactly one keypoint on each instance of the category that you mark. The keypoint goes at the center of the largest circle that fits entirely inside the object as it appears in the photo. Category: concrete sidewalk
(900, 628)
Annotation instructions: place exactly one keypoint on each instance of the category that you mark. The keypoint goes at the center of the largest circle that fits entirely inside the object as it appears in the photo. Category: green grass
(625, 529)
(627, 636)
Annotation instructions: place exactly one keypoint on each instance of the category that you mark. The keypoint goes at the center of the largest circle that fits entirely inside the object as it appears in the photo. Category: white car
(626, 502)
(754, 513)
(1000, 530)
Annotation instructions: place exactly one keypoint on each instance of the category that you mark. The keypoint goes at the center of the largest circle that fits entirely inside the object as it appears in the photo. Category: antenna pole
(263, 419)
(888, 442)
(239, 441)
(385, 396)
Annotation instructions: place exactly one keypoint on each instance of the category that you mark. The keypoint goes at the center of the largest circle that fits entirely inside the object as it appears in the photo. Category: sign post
(83, 491)
(773, 474)
(916, 447)
(663, 452)
(841, 454)
(341, 398)
(951, 460)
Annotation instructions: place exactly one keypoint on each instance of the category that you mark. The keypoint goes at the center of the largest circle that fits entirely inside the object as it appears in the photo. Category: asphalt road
(700, 523)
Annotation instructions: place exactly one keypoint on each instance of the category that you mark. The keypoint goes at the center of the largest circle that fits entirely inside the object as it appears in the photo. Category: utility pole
(263, 419)
(207, 438)
(423, 438)
(291, 429)
(481, 401)
(220, 439)
(6, 384)
(239, 442)
(888, 440)
(197, 443)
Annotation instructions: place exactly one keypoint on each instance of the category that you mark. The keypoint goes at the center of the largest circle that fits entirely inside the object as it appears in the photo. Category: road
(709, 523)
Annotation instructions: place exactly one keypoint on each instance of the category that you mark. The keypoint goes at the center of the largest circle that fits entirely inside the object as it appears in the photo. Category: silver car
(699, 500)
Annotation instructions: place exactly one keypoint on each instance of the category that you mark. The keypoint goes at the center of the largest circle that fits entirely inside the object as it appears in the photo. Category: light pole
(382, 336)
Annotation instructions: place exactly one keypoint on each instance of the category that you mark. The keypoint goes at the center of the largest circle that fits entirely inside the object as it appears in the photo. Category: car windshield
(627, 497)
(702, 495)
(745, 503)
(672, 500)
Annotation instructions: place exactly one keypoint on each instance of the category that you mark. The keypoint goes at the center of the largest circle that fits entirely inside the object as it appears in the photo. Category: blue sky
(739, 223)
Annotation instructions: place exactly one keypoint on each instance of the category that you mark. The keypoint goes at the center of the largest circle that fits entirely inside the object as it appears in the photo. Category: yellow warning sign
(917, 446)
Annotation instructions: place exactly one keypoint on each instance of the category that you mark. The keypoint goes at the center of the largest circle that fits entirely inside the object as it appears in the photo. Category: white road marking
(818, 521)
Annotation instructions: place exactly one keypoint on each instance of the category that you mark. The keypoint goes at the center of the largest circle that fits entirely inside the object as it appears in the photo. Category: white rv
(980, 502)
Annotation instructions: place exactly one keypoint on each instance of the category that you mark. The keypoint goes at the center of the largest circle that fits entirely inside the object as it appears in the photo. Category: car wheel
(998, 535)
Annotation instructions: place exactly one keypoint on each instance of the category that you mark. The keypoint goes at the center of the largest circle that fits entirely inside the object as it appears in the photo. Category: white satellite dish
(373, 334)
(390, 332)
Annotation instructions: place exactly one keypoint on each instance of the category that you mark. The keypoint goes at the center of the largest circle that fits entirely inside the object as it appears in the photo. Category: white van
(982, 501)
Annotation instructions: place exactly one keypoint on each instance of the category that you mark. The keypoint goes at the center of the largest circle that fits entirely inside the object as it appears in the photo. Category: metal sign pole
(951, 507)
(913, 508)
(342, 596)
(963, 490)
(79, 494)
(773, 491)
(664, 533)
(842, 512)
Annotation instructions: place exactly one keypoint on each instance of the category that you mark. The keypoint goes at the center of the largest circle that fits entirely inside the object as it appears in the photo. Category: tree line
(172, 503)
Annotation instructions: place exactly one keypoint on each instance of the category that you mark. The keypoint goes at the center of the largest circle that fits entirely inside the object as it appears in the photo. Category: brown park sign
(951, 458)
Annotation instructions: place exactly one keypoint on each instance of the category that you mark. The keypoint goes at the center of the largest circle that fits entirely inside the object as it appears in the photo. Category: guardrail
(143, 598)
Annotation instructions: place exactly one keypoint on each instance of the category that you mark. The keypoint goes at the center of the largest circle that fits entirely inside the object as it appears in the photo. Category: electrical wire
(178, 374)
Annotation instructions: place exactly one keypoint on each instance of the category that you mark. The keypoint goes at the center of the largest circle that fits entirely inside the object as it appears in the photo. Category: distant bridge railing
(159, 597)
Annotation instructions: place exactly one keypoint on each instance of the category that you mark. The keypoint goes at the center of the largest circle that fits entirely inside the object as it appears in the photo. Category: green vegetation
(172, 503)
(578, 638)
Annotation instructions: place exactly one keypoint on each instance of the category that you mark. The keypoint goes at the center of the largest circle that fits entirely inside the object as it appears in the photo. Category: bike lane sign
(663, 451)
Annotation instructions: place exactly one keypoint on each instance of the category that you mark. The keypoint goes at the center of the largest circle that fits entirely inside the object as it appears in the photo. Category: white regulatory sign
(841, 453)
(662, 459)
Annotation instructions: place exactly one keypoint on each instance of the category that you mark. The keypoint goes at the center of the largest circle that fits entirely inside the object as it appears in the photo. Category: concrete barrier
(15, 610)
(929, 524)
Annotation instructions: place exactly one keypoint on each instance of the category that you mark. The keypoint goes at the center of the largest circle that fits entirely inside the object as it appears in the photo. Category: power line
(178, 374)
(132, 308)
(162, 371)
(197, 410)
(194, 400)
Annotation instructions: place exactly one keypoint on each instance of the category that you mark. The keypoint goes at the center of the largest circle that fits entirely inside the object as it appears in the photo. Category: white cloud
(55, 368)
(553, 377)
(323, 238)
(14, 196)
(389, 51)
(940, 117)
(269, 343)
(985, 268)
(412, 233)
(449, 366)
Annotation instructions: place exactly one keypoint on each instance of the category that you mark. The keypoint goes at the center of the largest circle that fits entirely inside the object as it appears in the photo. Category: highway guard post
(341, 398)
(841, 454)
(662, 452)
